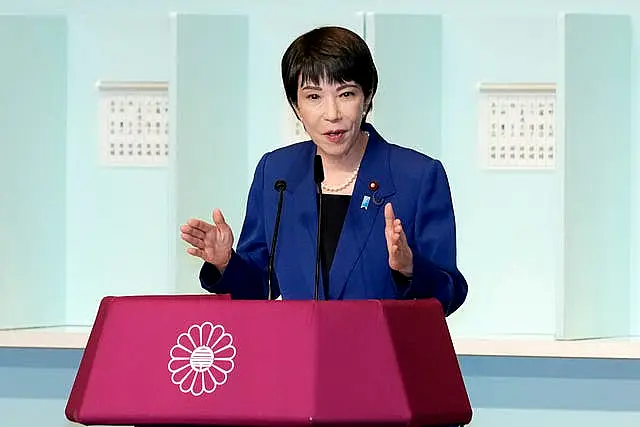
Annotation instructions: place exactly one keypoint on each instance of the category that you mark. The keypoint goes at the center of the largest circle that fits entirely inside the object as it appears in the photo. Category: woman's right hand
(210, 242)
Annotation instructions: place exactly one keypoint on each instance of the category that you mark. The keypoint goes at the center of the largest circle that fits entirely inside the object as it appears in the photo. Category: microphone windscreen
(280, 185)
(318, 170)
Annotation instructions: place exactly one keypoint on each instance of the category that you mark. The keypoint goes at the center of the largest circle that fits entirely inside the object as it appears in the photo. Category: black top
(334, 210)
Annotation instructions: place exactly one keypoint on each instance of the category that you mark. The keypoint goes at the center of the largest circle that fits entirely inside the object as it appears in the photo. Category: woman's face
(331, 115)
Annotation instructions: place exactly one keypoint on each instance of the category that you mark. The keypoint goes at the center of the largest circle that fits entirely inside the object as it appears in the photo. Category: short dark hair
(334, 54)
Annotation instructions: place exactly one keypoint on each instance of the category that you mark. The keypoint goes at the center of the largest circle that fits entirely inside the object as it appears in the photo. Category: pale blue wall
(121, 224)
(91, 250)
(597, 177)
(508, 222)
(210, 163)
(32, 171)
(117, 218)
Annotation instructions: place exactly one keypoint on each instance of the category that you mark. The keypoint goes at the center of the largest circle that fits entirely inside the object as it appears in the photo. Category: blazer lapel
(366, 204)
(303, 218)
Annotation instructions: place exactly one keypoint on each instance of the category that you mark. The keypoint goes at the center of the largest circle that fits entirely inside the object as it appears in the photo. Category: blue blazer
(414, 183)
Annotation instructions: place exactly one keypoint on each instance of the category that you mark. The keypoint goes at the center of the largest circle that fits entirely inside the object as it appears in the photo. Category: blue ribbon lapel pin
(365, 203)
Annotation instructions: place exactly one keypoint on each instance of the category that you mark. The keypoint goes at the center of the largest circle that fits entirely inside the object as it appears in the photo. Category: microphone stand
(318, 177)
(280, 186)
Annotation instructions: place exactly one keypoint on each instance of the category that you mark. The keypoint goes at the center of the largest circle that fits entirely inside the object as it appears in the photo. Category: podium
(209, 360)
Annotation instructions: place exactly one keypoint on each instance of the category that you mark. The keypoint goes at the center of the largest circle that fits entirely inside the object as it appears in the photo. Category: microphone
(318, 177)
(280, 185)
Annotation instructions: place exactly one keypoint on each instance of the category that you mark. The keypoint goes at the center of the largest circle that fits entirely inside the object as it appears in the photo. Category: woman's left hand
(400, 255)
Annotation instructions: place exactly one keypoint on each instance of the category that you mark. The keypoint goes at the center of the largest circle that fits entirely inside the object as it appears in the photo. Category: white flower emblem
(202, 359)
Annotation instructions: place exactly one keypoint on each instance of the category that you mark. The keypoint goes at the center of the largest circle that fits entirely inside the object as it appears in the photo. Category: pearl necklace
(343, 186)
